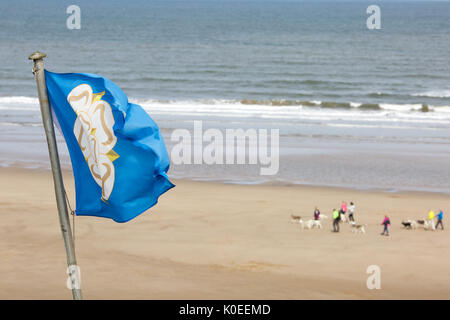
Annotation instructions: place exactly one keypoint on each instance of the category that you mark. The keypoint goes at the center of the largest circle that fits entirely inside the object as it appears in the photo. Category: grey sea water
(355, 107)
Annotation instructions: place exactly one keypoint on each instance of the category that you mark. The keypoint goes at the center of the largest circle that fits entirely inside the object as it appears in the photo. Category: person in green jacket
(336, 219)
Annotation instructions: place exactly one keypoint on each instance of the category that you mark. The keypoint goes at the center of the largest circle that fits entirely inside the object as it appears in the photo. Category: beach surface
(220, 241)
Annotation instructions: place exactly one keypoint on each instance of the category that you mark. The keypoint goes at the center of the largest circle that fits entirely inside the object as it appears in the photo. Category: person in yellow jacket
(336, 219)
(431, 219)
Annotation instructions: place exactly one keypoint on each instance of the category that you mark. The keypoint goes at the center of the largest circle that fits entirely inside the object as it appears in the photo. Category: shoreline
(287, 184)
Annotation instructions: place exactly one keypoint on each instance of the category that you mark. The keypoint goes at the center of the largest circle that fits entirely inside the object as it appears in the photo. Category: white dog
(429, 224)
(316, 223)
(358, 228)
(310, 224)
(409, 224)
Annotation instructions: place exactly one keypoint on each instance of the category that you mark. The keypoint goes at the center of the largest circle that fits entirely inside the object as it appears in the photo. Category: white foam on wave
(228, 108)
(219, 105)
(400, 107)
(390, 115)
(406, 108)
(442, 109)
(213, 107)
(355, 104)
(19, 100)
(19, 103)
(379, 126)
(434, 94)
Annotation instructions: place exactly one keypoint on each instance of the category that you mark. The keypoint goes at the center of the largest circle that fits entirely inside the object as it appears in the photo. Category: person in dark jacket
(316, 214)
(440, 217)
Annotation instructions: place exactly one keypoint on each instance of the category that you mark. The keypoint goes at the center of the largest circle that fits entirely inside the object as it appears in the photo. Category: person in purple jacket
(316, 214)
(386, 222)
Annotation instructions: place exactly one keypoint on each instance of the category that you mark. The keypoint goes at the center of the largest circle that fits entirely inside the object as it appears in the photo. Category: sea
(355, 107)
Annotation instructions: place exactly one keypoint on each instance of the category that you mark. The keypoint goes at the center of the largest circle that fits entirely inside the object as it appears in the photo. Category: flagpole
(47, 120)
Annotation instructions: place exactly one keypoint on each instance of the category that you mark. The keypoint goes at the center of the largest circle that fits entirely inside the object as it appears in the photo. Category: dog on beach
(313, 223)
(295, 219)
(310, 224)
(406, 224)
(429, 224)
(409, 224)
(358, 228)
(426, 224)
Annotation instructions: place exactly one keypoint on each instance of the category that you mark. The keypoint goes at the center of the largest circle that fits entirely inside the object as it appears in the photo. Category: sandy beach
(219, 241)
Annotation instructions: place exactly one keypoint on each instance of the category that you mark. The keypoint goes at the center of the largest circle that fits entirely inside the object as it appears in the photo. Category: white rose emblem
(93, 129)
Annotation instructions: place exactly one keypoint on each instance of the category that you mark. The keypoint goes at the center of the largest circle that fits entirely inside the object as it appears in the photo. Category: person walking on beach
(316, 214)
(351, 212)
(343, 210)
(439, 217)
(386, 222)
(336, 219)
(431, 219)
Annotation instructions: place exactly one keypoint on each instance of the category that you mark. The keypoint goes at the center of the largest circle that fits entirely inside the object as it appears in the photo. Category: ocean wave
(263, 104)
(21, 124)
(275, 103)
(406, 107)
(19, 100)
(244, 105)
(434, 94)
(380, 95)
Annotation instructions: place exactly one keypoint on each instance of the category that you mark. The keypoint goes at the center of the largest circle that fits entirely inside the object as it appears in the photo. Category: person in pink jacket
(343, 210)
(386, 222)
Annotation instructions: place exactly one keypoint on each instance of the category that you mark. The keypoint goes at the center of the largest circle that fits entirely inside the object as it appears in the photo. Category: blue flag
(118, 156)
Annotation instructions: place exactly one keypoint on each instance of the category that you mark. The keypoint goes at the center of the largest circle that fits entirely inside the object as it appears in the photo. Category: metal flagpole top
(37, 55)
